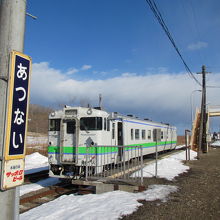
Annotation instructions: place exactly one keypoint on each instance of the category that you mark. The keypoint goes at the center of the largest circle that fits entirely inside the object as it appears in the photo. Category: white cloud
(72, 71)
(127, 74)
(158, 70)
(86, 67)
(197, 46)
(161, 97)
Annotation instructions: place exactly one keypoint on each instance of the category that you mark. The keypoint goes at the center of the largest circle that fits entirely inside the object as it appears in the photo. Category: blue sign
(18, 101)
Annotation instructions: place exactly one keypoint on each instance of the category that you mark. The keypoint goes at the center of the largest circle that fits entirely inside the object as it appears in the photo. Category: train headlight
(89, 112)
(52, 114)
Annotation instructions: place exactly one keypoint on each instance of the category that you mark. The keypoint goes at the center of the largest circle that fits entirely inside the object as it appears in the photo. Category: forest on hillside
(38, 118)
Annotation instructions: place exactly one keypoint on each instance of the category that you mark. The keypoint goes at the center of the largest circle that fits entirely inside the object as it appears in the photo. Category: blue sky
(86, 46)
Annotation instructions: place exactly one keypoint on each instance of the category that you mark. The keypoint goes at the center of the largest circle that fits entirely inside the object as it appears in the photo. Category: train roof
(97, 111)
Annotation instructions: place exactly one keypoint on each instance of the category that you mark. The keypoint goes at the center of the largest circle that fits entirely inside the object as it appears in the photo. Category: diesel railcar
(72, 128)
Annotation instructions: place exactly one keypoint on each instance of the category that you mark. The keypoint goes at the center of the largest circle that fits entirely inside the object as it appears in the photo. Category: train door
(113, 141)
(69, 141)
(120, 139)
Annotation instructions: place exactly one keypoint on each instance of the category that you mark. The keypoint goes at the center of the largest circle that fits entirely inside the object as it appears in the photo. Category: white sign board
(13, 174)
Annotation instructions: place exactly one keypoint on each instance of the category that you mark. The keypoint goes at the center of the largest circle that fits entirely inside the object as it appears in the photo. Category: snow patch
(35, 162)
(108, 206)
(38, 185)
(168, 168)
(216, 144)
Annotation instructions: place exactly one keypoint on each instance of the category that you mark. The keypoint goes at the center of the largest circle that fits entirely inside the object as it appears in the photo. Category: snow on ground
(38, 185)
(108, 206)
(179, 147)
(35, 162)
(37, 140)
(216, 143)
(168, 168)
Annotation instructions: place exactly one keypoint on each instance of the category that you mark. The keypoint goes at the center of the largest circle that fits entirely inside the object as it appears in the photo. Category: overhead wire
(161, 21)
(216, 87)
(196, 29)
(199, 36)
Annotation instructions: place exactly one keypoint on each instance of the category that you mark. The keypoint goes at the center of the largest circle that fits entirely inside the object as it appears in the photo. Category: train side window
(70, 127)
(54, 125)
(161, 134)
(149, 134)
(113, 130)
(132, 134)
(143, 134)
(105, 124)
(91, 123)
(165, 135)
(137, 134)
(108, 125)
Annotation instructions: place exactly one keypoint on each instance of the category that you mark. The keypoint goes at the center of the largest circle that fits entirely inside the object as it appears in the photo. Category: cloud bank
(160, 97)
(197, 46)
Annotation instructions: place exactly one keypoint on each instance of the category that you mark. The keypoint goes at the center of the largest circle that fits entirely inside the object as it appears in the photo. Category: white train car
(71, 129)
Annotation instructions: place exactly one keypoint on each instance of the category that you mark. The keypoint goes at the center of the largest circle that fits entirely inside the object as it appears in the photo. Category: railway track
(35, 177)
(37, 198)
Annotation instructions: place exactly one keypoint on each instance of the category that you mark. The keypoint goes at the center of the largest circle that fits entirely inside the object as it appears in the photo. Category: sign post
(156, 139)
(16, 121)
(12, 26)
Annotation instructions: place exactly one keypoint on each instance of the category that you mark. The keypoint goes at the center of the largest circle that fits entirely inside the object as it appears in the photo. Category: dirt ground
(198, 196)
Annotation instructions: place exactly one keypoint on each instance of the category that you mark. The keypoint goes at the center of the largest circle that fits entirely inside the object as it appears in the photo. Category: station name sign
(16, 120)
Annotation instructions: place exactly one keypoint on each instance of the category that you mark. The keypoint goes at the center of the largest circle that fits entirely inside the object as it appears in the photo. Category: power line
(159, 17)
(217, 87)
(196, 29)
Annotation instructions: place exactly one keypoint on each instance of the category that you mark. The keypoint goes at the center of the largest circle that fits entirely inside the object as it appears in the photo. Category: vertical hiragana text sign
(17, 111)
(16, 120)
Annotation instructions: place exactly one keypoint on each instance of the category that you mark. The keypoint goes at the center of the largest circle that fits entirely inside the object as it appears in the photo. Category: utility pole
(203, 115)
(12, 26)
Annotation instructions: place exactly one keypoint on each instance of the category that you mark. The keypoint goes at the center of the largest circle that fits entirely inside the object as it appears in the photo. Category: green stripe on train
(100, 150)
(82, 150)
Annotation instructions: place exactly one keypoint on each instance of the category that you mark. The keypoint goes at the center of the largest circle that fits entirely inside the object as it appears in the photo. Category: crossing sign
(16, 120)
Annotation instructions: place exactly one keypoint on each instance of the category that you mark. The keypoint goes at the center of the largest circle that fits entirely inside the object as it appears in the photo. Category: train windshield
(54, 125)
(91, 123)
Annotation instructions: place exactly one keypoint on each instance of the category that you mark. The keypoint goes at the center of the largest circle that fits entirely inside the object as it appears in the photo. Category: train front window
(70, 127)
(91, 123)
(54, 125)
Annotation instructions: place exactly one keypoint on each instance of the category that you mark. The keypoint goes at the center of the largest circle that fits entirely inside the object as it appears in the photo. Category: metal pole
(12, 26)
(156, 161)
(189, 152)
(100, 101)
(142, 179)
(123, 150)
(87, 150)
(186, 144)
